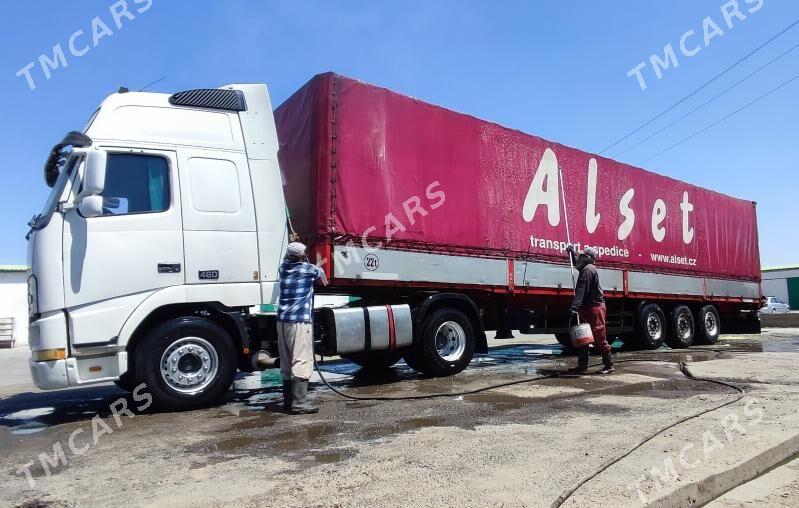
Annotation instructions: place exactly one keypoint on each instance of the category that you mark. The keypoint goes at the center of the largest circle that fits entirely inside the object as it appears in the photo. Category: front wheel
(126, 382)
(445, 344)
(186, 363)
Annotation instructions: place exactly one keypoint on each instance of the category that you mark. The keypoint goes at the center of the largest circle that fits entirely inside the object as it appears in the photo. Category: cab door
(112, 262)
(220, 234)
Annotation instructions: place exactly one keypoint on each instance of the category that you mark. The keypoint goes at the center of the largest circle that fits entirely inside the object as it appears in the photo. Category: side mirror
(91, 206)
(94, 174)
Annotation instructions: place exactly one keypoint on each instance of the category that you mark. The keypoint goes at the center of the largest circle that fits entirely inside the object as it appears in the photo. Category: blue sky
(555, 69)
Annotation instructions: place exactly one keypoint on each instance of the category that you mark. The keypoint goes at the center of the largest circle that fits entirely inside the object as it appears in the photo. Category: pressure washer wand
(568, 234)
(566, 218)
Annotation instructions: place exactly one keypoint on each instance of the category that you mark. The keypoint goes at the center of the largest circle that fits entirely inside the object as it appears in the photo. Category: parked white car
(775, 306)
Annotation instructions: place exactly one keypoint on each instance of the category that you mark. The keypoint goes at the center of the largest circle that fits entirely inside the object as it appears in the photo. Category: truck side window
(135, 183)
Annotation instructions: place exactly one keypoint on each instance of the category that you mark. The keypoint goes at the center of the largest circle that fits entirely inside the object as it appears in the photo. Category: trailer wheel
(709, 327)
(681, 329)
(186, 363)
(375, 360)
(651, 327)
(445, 344)
(565, 340)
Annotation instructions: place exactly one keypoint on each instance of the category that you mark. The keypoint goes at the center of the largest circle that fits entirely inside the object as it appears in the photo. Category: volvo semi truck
(155, 258)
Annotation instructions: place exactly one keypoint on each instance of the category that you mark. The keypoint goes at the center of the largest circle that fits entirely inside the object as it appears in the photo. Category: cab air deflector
(213, 98)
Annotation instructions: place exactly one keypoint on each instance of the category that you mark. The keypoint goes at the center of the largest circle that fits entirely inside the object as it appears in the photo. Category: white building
(14, 300)
(782, 282)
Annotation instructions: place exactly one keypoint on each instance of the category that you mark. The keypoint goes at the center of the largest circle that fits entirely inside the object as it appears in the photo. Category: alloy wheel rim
(189, 365)
(654, 326)
(684, 328)
(710, 324)
(450, 341)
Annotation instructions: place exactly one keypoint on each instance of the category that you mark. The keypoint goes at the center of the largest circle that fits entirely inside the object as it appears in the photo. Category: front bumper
(70, 372)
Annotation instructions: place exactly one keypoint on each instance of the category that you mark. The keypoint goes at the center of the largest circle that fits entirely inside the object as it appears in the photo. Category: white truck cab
(167, 212)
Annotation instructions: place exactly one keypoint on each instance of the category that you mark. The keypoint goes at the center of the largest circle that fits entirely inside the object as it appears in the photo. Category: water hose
(566, 494)
(510, 383)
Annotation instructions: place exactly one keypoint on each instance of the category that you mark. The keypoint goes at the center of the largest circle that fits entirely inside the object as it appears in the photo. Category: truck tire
(413, 360)
(681, 329)
(375, 360)
(651, 327)
(708, 326)
(445, 344)
(126, 381)
(565, 340)
(186, 363)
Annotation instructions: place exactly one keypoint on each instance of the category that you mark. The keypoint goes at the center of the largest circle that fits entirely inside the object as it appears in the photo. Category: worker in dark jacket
(589, 304)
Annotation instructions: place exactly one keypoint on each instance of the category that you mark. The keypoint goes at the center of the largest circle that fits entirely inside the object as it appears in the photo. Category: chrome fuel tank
(359, 329)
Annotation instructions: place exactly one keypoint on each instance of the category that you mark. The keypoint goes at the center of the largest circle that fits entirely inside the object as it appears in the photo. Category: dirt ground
(519, 445)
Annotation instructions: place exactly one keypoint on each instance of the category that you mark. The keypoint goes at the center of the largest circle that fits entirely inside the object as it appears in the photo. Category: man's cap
(295, 250)
(589, 251)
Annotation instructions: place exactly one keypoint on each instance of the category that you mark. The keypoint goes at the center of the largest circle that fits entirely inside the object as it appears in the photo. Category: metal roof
(13, 268)
(779, 268)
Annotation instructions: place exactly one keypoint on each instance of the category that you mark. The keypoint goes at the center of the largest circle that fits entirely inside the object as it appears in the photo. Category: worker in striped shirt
(294, 326)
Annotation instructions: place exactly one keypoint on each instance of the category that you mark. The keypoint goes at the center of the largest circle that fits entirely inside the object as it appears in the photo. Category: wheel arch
(230, 320)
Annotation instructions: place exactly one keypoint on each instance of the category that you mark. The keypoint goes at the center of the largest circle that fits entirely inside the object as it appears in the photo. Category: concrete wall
(14, 302)
(790, 320)
(780, 274)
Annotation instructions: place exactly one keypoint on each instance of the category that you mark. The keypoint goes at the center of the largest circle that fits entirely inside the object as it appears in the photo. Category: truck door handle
(168, 267)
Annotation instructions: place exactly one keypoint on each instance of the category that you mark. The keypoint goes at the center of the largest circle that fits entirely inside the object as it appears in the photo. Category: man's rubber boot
(301, 404)
(607, 360)
(288, 396)
(582, 361)
(504, 333)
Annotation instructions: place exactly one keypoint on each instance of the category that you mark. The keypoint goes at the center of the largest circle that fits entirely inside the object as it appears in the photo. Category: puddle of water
(331, 456)
(781, 346)
(499, 400)
(329, 376)
(302, 438)
(260, 420)
(233, 443)
(28, 428)
(29, 414)
(769, 342)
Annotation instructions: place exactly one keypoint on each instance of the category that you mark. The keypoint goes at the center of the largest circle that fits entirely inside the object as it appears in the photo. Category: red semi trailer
(463, 223)
(442, 225)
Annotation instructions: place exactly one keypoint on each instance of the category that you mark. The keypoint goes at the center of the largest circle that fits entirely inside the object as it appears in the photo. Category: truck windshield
(41, 220)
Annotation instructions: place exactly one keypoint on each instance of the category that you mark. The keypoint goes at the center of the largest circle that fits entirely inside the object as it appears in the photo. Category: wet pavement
(251, 423)
(31, 412)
